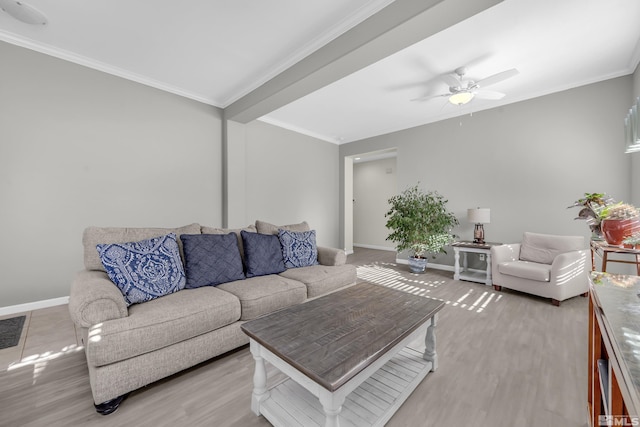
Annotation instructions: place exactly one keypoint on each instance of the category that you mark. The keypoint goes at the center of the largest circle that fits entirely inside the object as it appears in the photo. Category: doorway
(370, 180)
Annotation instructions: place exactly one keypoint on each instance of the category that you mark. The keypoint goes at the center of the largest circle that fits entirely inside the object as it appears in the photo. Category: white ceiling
(217, 51)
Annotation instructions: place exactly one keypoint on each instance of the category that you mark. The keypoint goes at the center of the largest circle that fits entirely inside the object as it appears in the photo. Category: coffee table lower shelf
(373, 403)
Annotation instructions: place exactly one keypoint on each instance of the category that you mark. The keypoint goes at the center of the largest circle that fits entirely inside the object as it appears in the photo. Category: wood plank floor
(505, 359)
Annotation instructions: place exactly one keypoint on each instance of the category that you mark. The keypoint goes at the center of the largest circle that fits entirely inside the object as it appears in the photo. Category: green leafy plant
(419, 221)
(592, 206)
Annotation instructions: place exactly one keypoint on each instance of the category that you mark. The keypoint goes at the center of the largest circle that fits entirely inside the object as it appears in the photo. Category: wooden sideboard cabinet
(614, 350)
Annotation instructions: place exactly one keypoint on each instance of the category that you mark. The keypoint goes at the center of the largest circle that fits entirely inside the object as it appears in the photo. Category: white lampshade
(479, 215)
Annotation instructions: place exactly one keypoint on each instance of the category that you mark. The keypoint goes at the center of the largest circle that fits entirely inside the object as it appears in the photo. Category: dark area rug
(10, 331)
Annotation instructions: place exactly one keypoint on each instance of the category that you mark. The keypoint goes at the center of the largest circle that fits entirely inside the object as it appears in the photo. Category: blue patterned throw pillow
(298, 248)
(262, 254)
(211, 259)
(144, 270)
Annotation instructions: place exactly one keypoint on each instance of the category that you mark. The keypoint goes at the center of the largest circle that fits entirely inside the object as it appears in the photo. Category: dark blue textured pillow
(298, 248)
(144, 270)
(262, 254)
(211, 259)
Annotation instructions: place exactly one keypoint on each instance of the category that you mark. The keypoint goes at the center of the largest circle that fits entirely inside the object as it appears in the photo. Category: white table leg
(259, 379)
(488, 281)
(465, 263)
(430, 342)
(456, 272)
(332, 405)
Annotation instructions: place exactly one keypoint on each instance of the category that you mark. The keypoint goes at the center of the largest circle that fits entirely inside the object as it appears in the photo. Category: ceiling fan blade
(426, 98)
(496, 78)
(489, 94)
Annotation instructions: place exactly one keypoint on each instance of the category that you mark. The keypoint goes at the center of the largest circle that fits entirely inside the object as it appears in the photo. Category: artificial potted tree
(420, 222)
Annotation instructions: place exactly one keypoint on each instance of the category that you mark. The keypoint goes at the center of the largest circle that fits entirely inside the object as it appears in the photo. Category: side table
(464, 273)
(603, 249)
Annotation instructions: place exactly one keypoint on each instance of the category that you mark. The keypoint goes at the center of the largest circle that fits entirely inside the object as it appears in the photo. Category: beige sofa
(130, 347)
(545, 265)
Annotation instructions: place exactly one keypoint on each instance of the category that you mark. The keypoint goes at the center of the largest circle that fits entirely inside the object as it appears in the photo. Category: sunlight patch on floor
(40, 361)
(386, 274)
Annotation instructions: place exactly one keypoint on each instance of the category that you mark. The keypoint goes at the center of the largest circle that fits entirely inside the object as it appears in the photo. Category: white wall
(374, 183)
(526, 161)
(79, 147)
(292, 178)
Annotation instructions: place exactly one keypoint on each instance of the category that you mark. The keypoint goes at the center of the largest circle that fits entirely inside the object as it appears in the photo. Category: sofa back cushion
(268, 228)
(93, 236)
(214, 230)
(543, 248)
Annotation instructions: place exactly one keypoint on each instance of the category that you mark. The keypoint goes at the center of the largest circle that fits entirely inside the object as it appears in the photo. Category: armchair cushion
(526, 270)
(543, 248)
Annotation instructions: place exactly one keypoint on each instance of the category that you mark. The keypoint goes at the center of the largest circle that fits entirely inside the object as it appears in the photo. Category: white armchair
(546, 265)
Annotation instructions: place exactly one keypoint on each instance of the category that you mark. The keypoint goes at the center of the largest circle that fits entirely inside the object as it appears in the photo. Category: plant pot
(616, 230)
(417, 265)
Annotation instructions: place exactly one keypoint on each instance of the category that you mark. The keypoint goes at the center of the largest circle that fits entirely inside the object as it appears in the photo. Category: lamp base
(478, 234)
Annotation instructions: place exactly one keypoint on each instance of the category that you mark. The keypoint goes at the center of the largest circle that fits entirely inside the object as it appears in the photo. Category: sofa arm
(569, 265)
(94, 299)
(331, 256)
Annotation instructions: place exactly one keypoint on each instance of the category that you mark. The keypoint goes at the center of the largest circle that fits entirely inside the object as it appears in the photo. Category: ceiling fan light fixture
(461, 98)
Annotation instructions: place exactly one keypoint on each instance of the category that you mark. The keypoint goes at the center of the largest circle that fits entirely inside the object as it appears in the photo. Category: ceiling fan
(462, 91)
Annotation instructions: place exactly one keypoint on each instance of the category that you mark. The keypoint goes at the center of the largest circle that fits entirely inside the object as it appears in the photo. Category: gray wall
(292, 178)
(374, 182)
(80, 147)
(526, 161)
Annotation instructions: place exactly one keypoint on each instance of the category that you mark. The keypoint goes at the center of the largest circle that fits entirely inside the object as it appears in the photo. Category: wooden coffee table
(346, 357)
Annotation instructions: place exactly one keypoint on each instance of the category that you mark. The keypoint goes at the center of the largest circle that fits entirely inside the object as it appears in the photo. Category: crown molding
(369, 9)
(101, 66)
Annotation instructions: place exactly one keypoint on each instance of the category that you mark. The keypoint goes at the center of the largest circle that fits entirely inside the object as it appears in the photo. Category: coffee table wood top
(332, 338)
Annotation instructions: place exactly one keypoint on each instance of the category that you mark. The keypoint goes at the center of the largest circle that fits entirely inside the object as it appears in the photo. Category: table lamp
(479, 217)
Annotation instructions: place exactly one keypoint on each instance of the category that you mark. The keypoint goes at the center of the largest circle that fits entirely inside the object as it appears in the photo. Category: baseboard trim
(380, 248)
(21, 308)
(429, 264)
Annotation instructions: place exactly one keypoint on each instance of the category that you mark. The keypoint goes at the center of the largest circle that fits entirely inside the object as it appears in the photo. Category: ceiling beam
(397, 26)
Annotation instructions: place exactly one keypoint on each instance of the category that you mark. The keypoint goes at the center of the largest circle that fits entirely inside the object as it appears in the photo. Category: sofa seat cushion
(162, 322)
(322, 279)
(526, 270)
(265, 294)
